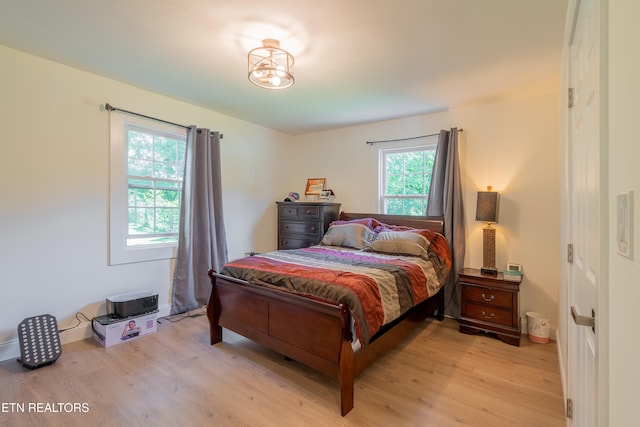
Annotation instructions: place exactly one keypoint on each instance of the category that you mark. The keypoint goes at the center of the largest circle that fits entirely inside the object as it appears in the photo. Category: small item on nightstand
(513, 272)
(489, 270)
(512, 275)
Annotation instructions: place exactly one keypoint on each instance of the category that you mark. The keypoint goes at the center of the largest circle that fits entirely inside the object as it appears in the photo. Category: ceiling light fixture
(271, 67)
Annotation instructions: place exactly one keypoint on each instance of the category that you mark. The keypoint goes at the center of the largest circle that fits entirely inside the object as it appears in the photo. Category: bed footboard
(314, 333)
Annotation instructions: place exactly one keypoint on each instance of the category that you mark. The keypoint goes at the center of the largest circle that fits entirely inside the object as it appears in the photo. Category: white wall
(54, 175)
(624, 153)
(512, 145)
(54, 169)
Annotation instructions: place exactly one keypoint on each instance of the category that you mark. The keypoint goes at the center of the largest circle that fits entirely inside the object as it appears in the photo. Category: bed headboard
(434, 223)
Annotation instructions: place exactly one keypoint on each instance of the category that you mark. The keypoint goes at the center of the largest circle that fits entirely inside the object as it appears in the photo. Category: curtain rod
(407, 139)
(110, 107)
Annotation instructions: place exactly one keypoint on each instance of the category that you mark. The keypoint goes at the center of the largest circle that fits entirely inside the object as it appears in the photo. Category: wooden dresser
(302, 224)
(489, 303)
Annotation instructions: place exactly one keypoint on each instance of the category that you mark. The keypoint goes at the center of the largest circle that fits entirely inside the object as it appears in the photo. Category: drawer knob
(491, 298)
(312, 228)
(488, 317)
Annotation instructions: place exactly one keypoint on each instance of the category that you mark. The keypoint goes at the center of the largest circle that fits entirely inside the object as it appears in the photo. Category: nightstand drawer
(487, 296)
(489, 314)
(311, 228)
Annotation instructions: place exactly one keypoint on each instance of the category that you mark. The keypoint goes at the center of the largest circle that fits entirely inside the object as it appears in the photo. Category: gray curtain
(445, 199)
(203, 243)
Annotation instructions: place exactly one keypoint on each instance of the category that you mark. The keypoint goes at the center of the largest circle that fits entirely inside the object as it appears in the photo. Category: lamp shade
(487, 207)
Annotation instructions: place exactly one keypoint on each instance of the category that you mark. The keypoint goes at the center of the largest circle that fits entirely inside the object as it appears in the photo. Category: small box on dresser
(489, 303)
(302, 224)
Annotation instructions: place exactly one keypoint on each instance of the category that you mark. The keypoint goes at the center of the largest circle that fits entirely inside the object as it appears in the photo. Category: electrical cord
(78, 315)
(175, 318)
(186, 315)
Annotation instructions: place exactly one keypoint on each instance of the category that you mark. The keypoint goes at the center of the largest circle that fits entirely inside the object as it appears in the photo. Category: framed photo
(315, 186)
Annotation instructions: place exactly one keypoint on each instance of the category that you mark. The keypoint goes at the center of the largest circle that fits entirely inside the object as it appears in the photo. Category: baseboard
(11, 349)
(563, 377)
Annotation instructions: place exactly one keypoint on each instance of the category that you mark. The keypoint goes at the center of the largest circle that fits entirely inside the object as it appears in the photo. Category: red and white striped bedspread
(378, 288)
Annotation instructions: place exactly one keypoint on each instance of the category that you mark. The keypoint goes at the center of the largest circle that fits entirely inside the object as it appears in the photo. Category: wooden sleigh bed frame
(314, 333)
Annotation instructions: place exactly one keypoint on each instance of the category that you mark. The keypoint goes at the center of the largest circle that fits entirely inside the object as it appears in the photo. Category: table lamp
(487, 211)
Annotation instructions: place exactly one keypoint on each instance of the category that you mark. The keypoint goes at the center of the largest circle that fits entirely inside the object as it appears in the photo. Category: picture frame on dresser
(315, 186)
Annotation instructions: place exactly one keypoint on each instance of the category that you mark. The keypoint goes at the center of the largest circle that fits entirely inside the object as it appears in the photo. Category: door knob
(584, 320)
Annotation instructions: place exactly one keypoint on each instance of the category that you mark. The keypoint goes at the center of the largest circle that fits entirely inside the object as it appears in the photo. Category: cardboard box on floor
(109, 330)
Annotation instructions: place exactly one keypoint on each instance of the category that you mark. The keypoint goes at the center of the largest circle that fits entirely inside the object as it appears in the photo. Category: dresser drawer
(291, 242)
(288, 211)
(309, 211)
(298, 211)
(311, 228)
(489, 314)
(487, 296)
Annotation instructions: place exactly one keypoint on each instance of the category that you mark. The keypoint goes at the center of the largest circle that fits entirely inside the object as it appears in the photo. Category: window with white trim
(146, 173)
(405, 177)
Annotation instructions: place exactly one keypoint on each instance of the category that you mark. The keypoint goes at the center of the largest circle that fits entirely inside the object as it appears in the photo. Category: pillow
(381, 226)
(401, 242)
(351, 235)
(370, 223)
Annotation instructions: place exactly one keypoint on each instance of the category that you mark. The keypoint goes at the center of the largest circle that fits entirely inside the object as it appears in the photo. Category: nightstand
(489, 303)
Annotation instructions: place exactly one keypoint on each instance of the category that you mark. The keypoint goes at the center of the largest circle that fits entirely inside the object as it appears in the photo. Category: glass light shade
(271, 67)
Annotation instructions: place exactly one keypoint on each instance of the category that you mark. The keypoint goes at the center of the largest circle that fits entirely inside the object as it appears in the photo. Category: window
(146, 172)
(405, 177)
(155, 165)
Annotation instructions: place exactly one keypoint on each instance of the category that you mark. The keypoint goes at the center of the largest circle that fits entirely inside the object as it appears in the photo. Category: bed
(271, 298)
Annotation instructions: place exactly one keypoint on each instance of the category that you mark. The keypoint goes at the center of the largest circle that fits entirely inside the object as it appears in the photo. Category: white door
(586, 214)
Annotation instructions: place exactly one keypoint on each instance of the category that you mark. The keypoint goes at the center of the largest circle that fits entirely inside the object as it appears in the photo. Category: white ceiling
(357, 61)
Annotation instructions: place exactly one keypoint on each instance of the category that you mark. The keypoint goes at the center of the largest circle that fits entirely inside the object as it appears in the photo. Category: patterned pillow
(351, 235)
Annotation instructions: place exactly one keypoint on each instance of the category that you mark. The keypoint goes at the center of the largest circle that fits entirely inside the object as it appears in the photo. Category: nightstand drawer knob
(488, 317)
(491, 298)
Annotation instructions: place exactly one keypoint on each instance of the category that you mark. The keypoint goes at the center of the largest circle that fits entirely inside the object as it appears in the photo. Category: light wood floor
(438, 377)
